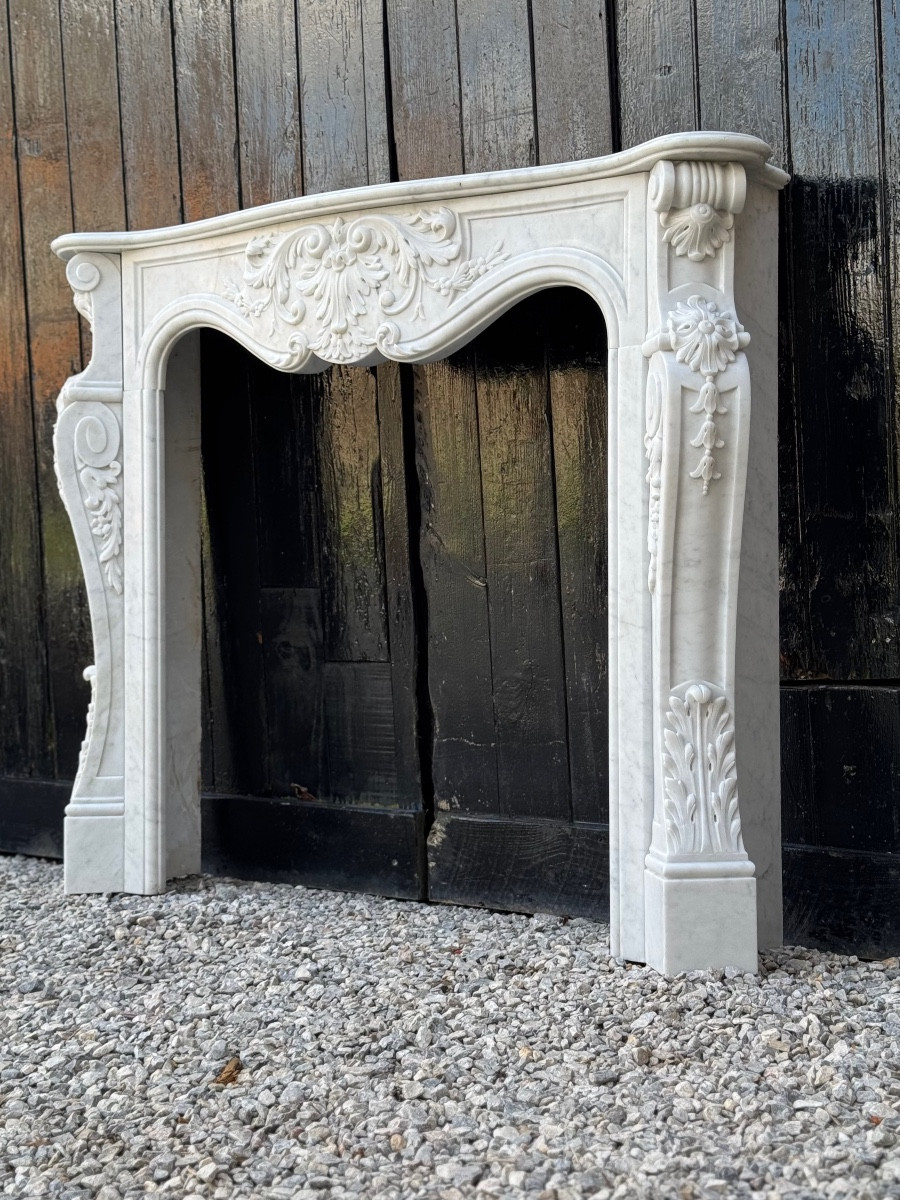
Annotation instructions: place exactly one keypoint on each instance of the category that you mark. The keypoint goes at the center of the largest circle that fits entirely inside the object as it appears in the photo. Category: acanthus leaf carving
(696, 232)
(97, 439)
(355, 276)
(700, 778)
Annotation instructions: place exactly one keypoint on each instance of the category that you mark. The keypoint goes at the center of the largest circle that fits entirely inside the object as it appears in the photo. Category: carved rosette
(341, 284)
(700, 807)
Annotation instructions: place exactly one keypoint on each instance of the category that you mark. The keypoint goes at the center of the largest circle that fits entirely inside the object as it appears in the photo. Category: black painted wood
(524, 865)
(293, 841)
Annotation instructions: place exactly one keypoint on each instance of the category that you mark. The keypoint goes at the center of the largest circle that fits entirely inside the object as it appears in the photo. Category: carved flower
(704, 338)
(698, 231)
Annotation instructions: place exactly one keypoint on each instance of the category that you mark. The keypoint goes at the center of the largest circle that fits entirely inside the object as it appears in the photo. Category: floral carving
(698, 231)
(704, 338)
(355, 275)
(700, 779)
(653, 451)
(96, 445)
(707, 340)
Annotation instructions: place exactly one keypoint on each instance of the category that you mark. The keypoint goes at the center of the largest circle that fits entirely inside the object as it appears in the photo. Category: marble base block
(93, 854)
(695, 923)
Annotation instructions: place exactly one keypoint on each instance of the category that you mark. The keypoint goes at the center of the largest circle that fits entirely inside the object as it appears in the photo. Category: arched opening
(405, 607)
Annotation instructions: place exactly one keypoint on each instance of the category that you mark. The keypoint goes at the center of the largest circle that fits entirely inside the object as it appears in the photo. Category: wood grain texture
(520, 866)
(424, 56)
(740, 71)
(578, 405)
(236, 683)
(497, 102)
(333, 95)
(147, 85)
(395, 436)
(452, 554)
(317, 845)
(26, 746)
(572, 80)
(207, 125)
(845, 416)
(656, 68)
(92, 113)
(268, 101)
(54, 346)
(352, 545)
(521, 565)
(291, 628)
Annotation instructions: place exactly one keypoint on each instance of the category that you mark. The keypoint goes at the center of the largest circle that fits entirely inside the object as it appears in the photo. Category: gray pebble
(395, 1050)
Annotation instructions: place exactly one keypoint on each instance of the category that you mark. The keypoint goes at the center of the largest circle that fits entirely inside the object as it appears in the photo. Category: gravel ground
(395, 1050)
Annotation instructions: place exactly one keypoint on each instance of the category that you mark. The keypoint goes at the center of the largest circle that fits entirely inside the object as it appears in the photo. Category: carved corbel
(89, 471)
(696, 202)
(696, 443)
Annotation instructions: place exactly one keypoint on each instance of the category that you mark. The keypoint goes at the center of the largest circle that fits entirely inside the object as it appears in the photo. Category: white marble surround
(676, 240)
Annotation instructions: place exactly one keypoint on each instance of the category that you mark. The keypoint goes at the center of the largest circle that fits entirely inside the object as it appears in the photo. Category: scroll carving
(696, 202)
(97, 440)
(700, 780)
(355, 275)
(84, 277)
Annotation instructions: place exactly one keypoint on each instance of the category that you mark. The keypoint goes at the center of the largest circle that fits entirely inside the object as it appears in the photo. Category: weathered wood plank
(521, 565)
(451, 550)
(657, 68)
(572, 101)
(235, 653)
(207, 126)
(842, 371)
(318, 845)
(332, 96)
(25, 717)
(291, 623)
(92, 111)
(424, 59)
(147, 85)
(54, 345)
(520, 866)
(578, 398)
(268, 98)
(495, 85)
(360, 749)
(352, 546)
(395, 431)
(740, 70)
(285, 416)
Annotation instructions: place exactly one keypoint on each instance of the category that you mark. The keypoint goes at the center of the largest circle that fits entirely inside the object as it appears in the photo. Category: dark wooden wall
(136, 113)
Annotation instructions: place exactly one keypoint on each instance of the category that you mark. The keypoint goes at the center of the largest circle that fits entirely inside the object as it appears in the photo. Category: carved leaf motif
(97, 439)
(698, 231)
(101, 499)
(355, 276)
(701, 801)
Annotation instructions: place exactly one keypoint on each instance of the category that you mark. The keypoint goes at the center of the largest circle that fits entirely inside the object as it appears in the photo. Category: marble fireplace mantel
(676, 241)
